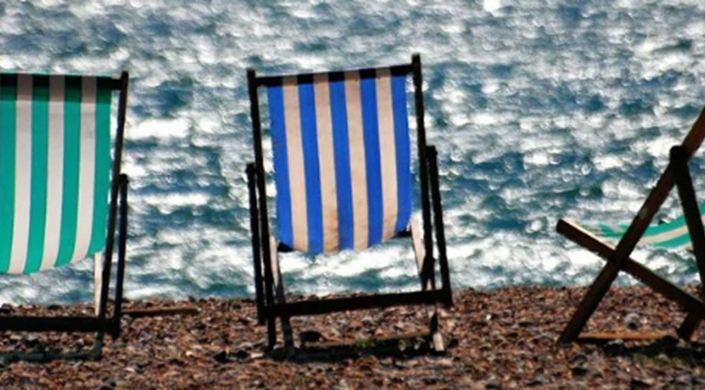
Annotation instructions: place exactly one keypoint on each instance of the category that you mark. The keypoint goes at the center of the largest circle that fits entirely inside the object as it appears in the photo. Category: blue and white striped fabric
(54, 170)
(341, 159)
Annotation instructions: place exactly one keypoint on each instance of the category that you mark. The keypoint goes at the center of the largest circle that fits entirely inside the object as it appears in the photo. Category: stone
(632, 321)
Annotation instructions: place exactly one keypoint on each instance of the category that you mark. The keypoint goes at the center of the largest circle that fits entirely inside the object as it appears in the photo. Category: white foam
(491, 6)
(163, 129)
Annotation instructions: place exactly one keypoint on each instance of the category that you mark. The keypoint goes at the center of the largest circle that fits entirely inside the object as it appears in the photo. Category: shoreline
(500, 338)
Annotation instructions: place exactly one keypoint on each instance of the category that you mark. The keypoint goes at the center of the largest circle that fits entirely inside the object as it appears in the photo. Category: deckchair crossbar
(333, 76)
(109, 82)
(57, 324)
(325, 306)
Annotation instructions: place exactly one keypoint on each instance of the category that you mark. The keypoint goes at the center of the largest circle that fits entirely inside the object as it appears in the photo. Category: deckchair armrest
(583, 237)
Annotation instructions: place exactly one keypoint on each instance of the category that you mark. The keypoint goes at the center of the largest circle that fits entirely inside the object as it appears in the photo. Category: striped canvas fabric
(673, 234)
(54, 170)
(341, 159)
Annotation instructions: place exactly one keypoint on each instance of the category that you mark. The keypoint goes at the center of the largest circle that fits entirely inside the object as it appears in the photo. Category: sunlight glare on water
(540, 109)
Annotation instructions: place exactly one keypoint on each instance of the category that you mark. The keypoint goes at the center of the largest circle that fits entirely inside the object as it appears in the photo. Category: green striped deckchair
(60, 179)
(670, 235)
(687, 232)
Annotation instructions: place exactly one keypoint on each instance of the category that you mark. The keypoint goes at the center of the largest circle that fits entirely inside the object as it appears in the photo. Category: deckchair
(342, 171)
(686, 231)
(61, 182)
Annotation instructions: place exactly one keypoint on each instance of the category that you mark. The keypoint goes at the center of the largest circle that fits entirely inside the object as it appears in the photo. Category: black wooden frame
(618, 258)
(270, 307)
(101, 323)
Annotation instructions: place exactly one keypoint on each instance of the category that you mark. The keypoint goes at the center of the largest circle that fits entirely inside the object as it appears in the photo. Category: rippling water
(539, 109)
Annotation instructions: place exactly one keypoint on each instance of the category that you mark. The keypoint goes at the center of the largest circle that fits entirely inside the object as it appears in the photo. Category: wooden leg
(439, 225)
(434, 328)
(122, 250)
(689, 203)
(271, 332)
(281, 299)
(589, 304)
(435, 331)
(256, 246)
(688, 327)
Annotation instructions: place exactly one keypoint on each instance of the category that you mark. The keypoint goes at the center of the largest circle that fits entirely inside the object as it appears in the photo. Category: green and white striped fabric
(55, 167)
(672, 235)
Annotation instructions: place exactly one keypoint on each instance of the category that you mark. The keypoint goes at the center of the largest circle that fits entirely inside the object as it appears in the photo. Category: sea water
(539, 110)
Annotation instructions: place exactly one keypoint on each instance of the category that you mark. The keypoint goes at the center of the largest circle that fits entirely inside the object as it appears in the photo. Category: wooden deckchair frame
(269, 290)
(618, 258)
(100, 323)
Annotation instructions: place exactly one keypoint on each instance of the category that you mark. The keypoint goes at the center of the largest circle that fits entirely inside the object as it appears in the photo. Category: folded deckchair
(342, 171)
(686, 231)
(60, 183)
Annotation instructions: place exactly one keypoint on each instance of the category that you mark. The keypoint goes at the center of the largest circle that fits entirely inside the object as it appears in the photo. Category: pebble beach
(496, 339)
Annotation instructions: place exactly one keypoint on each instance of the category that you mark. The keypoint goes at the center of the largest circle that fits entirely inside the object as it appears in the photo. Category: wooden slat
(419, 253)
(594, 337)
(360, 343)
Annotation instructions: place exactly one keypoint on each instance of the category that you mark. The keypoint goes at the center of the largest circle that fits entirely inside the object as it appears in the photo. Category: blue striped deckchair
(342, 171)
(687, 232)
(60, 179)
